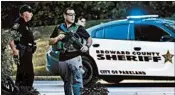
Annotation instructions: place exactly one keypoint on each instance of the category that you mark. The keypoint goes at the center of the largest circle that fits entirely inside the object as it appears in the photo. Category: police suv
(139, 47)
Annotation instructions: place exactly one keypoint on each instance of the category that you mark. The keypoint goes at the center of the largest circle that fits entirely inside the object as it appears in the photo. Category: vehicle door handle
(96, 45)
(137, 48)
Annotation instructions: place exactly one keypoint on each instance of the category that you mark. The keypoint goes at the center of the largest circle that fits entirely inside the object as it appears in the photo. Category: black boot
(34, 91)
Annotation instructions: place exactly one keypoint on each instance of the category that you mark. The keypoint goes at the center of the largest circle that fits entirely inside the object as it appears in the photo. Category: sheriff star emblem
(168, 57)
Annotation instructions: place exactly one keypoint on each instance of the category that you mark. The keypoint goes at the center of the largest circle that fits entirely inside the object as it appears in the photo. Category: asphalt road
(56, 88)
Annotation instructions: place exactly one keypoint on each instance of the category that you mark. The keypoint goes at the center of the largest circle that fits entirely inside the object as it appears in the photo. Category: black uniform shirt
(23, 28)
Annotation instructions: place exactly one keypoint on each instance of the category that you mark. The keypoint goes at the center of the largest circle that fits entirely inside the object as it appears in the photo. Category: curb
(43, 77)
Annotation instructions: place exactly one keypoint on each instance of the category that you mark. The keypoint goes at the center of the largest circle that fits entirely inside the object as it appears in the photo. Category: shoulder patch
(16, 26)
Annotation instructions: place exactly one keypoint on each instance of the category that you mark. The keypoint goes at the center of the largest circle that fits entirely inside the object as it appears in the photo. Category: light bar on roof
(142, 16)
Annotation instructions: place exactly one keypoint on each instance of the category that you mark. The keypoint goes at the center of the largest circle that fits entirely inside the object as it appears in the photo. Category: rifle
(70, 38)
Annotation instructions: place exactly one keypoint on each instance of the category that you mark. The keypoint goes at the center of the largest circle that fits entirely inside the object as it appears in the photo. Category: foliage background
(50, 12)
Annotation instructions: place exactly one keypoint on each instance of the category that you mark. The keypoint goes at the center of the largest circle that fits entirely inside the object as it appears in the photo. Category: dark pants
(25, 72)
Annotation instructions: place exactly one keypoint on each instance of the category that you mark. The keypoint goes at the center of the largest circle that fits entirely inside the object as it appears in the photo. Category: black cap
(25, 8)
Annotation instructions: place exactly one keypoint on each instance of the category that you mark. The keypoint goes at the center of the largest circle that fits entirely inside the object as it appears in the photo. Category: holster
(31, 47)
(23, 48)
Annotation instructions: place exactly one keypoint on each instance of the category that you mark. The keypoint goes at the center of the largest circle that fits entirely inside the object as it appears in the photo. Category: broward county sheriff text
(128, 56)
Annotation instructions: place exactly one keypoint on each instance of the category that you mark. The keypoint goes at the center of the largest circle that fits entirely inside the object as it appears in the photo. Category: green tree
(50, 12)
(6, 58)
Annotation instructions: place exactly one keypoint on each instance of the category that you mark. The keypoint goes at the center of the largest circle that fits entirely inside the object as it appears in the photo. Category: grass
(39, 56)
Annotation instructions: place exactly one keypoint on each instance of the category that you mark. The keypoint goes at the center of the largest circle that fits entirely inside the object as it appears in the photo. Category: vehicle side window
(116, 32)
(99, 33)
(145, 32)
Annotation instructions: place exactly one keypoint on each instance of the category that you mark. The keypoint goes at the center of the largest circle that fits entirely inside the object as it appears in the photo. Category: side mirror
(167, 38)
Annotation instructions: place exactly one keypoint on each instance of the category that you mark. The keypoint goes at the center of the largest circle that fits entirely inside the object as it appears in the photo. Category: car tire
(89, 76)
